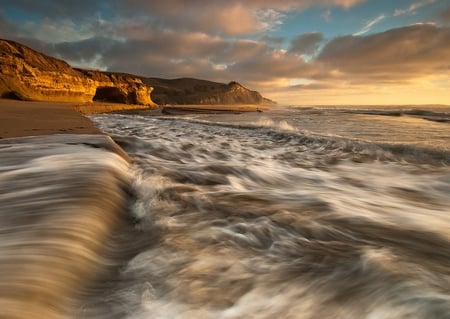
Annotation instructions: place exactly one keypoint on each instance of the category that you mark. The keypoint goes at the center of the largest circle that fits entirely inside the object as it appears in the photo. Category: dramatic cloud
(247, 41)
(171, 38)
(307, 43)
(398, 54)
(166, 53)
(412, 9)
(227, 17)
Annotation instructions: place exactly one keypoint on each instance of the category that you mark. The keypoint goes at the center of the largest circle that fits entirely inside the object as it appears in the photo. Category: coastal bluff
(33, 76)
(190, 91)
(29, 75)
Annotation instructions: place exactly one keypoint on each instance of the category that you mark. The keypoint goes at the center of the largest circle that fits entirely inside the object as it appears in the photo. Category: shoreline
(29, 118)
(66, 191)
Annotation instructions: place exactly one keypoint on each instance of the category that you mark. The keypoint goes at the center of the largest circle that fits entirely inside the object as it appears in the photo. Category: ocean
(294, 212)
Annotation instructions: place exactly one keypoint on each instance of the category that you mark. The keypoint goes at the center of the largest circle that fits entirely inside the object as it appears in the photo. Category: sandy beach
(23, 118)
(27, 118)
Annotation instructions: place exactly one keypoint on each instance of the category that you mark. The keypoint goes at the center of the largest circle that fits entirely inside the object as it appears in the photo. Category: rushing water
(292, 213)
(61, 210)
(299, 212)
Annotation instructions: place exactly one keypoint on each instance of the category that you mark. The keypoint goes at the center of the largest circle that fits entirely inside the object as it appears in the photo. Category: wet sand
(23, 118)
(27, 118)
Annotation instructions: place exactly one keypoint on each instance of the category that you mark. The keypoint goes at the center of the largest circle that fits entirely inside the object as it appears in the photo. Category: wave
(434, 113)
(62, 203)
(255, 220)
(236, 231)
(331, 147)
(442, 117)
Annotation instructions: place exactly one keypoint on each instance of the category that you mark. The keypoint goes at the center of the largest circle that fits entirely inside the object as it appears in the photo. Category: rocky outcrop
(30, 75)
(188, 91)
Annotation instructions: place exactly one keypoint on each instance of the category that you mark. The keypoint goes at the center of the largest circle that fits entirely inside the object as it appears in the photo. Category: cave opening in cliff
(11, 96)
(109, 94)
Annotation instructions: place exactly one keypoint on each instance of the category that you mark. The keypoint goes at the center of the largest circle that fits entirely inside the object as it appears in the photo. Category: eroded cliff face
(30, 75)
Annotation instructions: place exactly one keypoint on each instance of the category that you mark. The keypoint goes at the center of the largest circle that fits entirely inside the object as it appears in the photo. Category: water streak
(61, 202)
(258, 220)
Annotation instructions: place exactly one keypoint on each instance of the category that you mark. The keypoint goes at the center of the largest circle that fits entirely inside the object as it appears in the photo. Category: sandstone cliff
(201, 92)
(30, 75)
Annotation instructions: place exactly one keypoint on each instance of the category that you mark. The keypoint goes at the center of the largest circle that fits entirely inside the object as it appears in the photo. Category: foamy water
(61, 203)
(305, 213)
(292, 213)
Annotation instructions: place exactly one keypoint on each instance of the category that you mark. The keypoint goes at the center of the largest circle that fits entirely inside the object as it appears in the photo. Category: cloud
(6, 27)
(59, 9)
(170, 38)
(229, 17)
(221, 17)
(88, 53)
(395, 56)
(411, 10)
(326, 15)
(170, 54)
(369, 25)
(444, 16)
(400, 54)
(272, 65)
(306, 44)
(228, 40)
(59, 31)
(272, 40)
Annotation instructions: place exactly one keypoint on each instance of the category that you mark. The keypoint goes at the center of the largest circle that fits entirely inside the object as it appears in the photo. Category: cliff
(200, 92)
(30, 75)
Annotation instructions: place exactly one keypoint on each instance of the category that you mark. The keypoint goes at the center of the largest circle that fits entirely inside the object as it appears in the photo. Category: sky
(302, 52)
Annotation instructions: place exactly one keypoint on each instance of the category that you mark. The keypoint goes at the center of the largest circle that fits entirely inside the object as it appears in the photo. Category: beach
(225, 159)
(337, 212)
(21, 118)
(29, 118)
(64, 191)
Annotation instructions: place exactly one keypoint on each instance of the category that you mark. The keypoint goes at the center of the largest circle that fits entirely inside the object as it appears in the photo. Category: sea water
(63, 213)
(294, 212)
